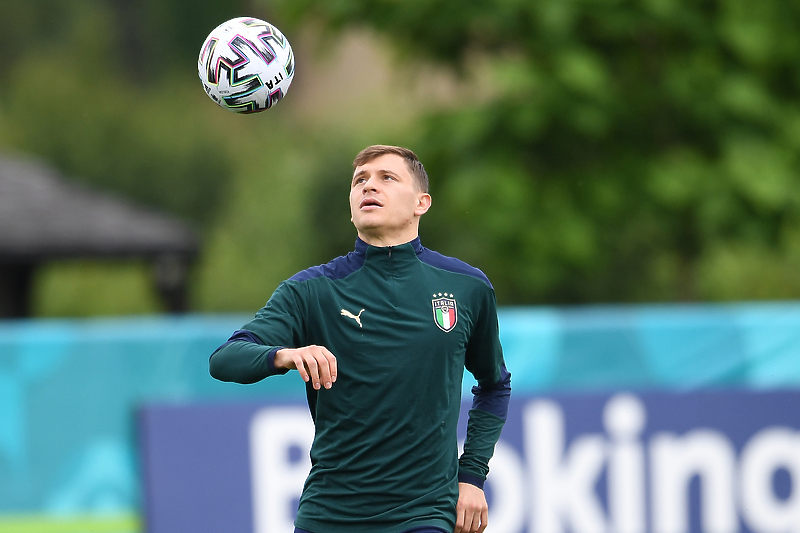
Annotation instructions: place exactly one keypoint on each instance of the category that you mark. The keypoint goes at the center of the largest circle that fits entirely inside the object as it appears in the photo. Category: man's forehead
(385, 162)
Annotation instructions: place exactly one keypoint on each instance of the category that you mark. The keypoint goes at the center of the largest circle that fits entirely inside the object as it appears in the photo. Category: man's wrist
(276, 367)
(471, 479)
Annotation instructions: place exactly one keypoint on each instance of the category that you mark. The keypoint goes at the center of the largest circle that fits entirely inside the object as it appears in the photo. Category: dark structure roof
(43, 217)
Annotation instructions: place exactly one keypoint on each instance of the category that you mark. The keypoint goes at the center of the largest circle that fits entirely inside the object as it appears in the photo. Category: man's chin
(368, 223)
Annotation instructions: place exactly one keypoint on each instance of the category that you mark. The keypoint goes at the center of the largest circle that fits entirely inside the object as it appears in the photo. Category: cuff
(472, 480)
(271, 362)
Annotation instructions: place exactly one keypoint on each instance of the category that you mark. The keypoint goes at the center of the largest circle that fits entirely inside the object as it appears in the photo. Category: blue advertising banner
(653, 462)
(69, 388)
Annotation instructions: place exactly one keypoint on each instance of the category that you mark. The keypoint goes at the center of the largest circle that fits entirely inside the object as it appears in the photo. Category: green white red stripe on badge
(444, 312)
(446, 317)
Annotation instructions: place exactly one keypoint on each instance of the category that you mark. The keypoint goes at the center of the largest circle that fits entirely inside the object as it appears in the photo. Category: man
(381, 337)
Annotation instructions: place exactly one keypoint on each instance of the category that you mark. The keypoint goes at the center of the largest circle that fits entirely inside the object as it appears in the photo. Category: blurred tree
(27, 25)
(625, 150)
(107, 91)
(160, 35)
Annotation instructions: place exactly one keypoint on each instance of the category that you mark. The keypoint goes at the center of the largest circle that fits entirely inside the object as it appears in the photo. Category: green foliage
(622, 151)
(264, 229)
(160, 36)
(626, 150)
(101, 91)
(89, 288)
(108, 92)
(139, 143)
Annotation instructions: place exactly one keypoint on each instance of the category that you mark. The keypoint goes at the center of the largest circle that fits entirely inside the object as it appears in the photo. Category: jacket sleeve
(249, 354)
(484, 359)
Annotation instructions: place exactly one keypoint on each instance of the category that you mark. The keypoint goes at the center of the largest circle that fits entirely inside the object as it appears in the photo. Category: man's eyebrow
(360, 172)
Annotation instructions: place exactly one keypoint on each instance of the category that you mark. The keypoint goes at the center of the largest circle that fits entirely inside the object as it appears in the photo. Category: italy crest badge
(444, 311)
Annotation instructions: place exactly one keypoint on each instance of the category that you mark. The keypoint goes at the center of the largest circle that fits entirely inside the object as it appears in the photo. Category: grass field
(78, 524)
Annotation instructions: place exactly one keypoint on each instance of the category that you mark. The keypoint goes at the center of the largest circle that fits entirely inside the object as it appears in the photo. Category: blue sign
(711, 462)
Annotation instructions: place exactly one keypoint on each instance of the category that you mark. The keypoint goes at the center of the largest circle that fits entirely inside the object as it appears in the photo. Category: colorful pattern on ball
(246, 65)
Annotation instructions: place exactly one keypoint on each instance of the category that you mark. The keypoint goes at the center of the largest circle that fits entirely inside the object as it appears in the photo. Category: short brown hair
(414, 164)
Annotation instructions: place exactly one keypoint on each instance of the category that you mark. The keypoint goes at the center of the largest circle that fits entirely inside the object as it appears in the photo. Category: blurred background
(591, 157)
(580, 151)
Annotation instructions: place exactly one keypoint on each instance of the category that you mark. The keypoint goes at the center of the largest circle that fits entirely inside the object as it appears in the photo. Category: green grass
(85, 524)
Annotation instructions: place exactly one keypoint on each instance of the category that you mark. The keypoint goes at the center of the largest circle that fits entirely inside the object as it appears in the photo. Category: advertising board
(652, 462)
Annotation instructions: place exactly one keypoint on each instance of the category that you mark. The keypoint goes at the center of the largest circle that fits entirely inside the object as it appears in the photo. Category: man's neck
(382, 240)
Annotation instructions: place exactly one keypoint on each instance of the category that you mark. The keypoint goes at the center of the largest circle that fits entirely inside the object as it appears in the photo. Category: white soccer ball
(246, 65)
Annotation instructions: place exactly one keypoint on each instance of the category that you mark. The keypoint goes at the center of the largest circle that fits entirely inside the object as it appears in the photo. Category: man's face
(385, 201)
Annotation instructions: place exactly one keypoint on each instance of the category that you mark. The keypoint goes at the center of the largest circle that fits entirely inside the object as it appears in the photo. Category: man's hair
(414, 164)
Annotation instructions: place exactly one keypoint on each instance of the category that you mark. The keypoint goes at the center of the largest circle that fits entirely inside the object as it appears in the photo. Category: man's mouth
(369, 203)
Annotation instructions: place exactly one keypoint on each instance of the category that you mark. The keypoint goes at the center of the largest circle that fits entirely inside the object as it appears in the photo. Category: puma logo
(357, 317)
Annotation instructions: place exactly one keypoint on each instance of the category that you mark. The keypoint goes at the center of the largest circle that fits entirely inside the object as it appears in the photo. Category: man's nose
(369, 185)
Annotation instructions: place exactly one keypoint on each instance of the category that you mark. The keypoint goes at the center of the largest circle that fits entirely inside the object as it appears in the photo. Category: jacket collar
(362, 247)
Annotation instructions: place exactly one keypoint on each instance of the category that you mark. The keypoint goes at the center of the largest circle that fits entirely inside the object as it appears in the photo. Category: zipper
(394, 280)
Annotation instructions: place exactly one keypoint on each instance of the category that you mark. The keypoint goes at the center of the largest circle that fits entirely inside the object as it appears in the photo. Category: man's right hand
(315, 363)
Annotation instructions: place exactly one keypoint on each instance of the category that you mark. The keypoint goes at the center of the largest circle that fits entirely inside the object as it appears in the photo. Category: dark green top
(384, 457)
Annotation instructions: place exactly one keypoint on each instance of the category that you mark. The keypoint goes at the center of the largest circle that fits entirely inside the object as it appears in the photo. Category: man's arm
(484, 359)
(259, 349)
(486, 419)
(244, 358)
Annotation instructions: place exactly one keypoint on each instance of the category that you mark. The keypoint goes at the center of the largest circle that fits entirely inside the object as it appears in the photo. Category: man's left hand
(472, 511)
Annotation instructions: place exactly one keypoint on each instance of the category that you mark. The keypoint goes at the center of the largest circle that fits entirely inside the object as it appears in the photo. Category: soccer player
(381, 336)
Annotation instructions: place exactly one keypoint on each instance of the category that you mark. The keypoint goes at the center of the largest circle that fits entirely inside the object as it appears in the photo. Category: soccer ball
(246, 65)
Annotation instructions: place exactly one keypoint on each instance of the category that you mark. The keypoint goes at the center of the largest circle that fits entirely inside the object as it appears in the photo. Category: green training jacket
(403, 322)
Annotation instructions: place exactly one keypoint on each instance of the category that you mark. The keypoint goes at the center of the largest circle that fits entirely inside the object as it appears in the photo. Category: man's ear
(423, 204)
